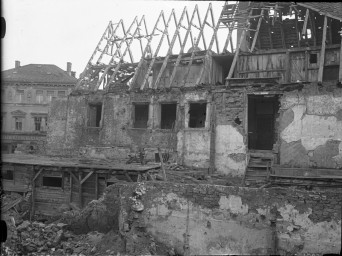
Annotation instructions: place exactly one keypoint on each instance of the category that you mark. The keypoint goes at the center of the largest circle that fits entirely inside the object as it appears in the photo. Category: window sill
(138, 129)
(196, 129)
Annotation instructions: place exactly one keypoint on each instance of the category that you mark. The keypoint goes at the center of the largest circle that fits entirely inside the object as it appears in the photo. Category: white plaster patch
(312, 130)
(293, 131)
(233, 204)
(290, 214)
(229, 141)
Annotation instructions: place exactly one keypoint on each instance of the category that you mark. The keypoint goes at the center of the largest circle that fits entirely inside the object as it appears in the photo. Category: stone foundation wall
(236, 220)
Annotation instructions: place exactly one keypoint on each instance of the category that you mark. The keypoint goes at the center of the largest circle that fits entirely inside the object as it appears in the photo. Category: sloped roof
(331, 9)
(38, 73)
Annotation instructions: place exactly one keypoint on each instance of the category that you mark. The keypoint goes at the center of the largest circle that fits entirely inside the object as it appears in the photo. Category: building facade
(27, 92)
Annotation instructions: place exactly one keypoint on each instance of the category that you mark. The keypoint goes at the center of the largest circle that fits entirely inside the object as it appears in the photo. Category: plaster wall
(311, 124)
(235, 220)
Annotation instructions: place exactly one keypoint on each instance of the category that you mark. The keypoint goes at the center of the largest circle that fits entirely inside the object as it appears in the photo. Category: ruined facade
(273, 100)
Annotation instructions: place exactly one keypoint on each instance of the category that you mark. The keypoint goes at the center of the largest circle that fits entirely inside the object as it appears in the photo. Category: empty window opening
(168, 116)
(95, 112)
(140, 115)
(8, 175)
(37, 123)
(49, 181)
(50, 95)
(197, 112)
(313, 58)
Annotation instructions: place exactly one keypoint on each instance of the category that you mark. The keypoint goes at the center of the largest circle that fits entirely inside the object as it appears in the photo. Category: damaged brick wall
(233, 220)
(311, 128)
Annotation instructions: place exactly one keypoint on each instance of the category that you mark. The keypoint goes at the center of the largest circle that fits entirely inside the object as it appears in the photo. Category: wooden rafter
(182, 47)
(322, 54)
(130, 52)
(157, 50)
(257, 30)
(123, 55)
(170, 49)
(147, 47)
(115, 53)
(307, 14)
(196, 44)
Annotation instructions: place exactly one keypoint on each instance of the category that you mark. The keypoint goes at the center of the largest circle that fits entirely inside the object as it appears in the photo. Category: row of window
(39, 96)
(168, 114)
(38, 123)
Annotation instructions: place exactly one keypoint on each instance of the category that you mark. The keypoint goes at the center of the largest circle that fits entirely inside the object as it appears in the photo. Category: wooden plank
(96, 186)
(322, 54)
(70, 193)
(80, 188)
(313, 29)
(37, 174)
(340, 70)
(127, 176)
(162, 164)
(306, 64)
(73, 175)
(307, 14)
(287, 67)
(86, 177)
(257, 31)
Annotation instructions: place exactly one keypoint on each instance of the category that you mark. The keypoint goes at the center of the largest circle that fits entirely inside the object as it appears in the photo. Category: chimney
(69, 68)
(17, 64)
(73, 74)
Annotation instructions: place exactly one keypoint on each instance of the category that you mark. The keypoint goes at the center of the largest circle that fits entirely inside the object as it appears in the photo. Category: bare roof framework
(109, 63)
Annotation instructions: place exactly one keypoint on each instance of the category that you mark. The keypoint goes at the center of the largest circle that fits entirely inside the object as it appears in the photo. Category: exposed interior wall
(311, 128)
(234, 220)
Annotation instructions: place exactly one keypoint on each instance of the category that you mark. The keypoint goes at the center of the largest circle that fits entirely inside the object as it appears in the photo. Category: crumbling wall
(311, 128)
(230, 141)
(206, 219)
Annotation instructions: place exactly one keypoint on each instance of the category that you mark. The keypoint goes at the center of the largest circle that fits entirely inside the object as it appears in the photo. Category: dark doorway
(262, 113)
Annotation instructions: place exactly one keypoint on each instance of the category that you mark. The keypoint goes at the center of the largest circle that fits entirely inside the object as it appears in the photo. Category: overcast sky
(61, 31)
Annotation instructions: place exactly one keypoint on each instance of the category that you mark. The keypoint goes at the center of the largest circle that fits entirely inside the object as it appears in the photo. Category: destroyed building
(272, 101)
(265, 108)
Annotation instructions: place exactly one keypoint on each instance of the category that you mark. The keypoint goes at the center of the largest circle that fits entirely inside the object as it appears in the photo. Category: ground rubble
(61, 235)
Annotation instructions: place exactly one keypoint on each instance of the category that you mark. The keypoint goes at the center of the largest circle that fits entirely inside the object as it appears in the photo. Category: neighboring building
(26, 94)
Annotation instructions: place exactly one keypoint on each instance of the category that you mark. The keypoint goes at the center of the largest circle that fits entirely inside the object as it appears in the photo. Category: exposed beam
(80, 188)
(86, 177)
(170, 50)
(130, 52)
(322, 55)
(307, 14)
(156, 52)
(297, 30)
(73, 175)
(116, 52)
(256, 34)
(340, 71)
(195, 46)
(182, 48)
(147, 48)
(37, 174)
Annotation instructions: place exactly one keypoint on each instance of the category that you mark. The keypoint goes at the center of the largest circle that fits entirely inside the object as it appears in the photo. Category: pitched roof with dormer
(38, 73)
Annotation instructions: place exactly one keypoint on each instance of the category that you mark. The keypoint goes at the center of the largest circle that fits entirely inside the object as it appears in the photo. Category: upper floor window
(50, 95)
(94, 115)
(20, 95)
(168, 115)
(197, 115)
(61, 94)
(39, 96)
(18, 123)
(140, 115)
(37, 123)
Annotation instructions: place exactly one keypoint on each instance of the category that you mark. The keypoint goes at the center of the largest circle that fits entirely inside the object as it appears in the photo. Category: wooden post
(70, 194)
(162, 164)
(257, 30)
(79, 187)
(212, 135)
(287, 67)
(307, 14)
(33, 194)
(306, 63)
(340, 71)
(322, 55)
(96, 186)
